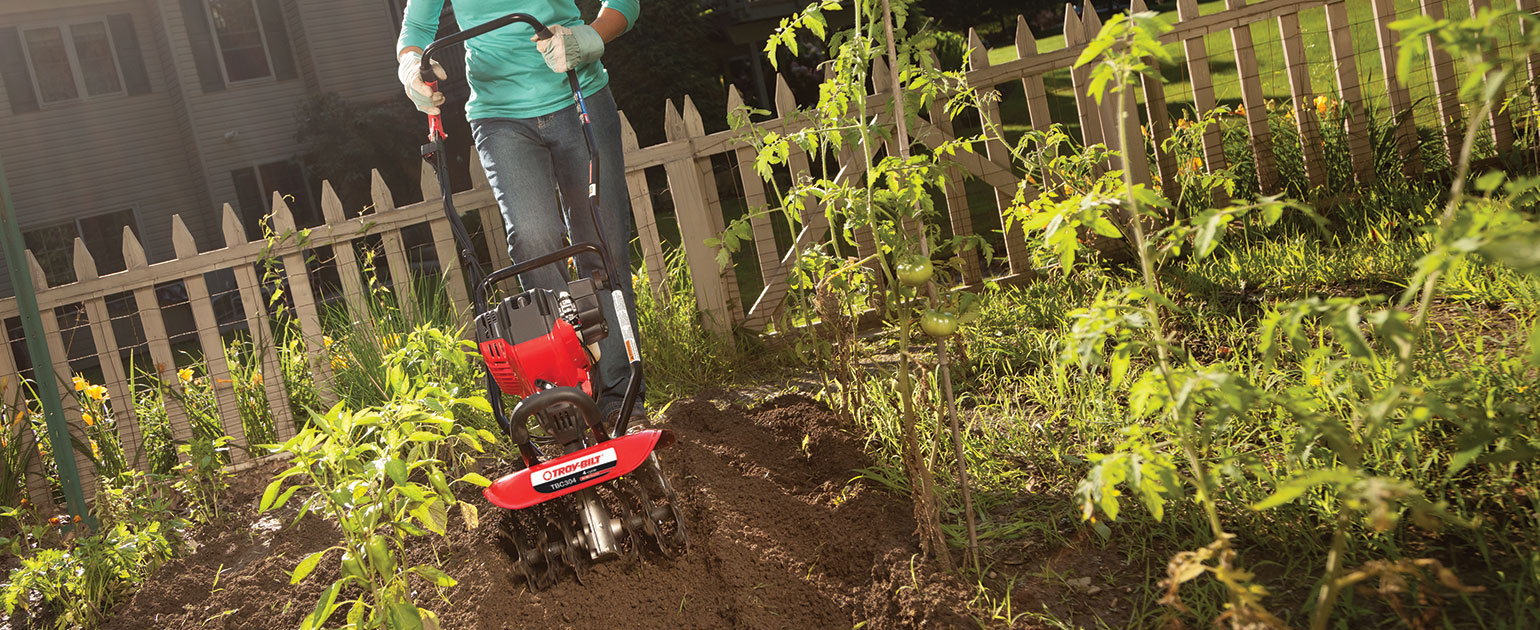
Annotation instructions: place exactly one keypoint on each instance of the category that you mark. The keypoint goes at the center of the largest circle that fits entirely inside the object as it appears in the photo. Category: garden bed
(781, 537)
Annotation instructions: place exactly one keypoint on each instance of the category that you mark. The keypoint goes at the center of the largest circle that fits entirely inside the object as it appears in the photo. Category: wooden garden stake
(946, 371)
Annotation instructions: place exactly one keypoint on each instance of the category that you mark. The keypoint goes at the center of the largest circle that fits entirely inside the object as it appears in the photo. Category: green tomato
(380, 556)
(352, 567)
(915, 270)
(938, 324)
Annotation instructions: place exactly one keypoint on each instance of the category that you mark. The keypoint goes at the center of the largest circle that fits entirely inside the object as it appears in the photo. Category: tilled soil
(781, 537)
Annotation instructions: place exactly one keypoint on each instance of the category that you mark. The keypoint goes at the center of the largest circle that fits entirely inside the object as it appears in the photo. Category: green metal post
(47, 386)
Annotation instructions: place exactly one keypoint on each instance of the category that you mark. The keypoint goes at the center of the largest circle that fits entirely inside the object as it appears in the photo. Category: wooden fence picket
(1196, 52)
(295, 270)
(1080, 79)
(158, 340)
(1532, 65)
(108, 353)
(206, 325)
(451, 270)
(1501, 124)
(716, 223)
(756, 202)
(691, 209)
(36, 485)
(1306, 119)
(64, 375)
(1446, 82)
(1158, 129)
(1354, 114)
(1255, 103)
(264, 344)
(395, 249)
(1400, 99)
(646, 220)
(354, 295)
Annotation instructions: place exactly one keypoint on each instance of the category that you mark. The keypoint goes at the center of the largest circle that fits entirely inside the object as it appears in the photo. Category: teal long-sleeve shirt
(507, 75)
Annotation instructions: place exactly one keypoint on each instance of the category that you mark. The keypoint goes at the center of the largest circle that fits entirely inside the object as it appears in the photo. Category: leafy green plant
(380, 473)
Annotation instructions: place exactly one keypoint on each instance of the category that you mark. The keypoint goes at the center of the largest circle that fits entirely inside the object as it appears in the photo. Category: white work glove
(410, 74)
(569, 48)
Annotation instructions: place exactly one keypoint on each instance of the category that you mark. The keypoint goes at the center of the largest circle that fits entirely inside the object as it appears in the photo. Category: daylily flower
(88, 418)
(185, 374)
(80, 383)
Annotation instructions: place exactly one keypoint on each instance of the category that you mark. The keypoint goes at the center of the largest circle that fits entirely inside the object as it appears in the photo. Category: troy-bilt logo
(557, 476)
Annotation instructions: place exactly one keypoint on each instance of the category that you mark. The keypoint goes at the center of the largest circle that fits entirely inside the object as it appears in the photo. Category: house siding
(351, 43)
(100, 154)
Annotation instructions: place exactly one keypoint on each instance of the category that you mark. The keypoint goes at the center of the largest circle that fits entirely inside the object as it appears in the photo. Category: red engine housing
(558, 357)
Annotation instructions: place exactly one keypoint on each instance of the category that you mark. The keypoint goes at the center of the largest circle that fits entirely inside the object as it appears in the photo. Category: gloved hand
(569, 48)
(410, 73)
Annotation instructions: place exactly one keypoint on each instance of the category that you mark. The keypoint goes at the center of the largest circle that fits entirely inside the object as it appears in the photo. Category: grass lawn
(1269, 51)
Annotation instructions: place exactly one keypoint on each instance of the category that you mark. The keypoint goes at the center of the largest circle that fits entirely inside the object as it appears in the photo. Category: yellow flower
(95, 449)
(1240, 111)
(90, 419)
(339, 363)
(256, 378)
(1323, 104)
(185, 374)
(97, 392)
(80, 383)
(1195, 164)
(390, 341)
(326, 340)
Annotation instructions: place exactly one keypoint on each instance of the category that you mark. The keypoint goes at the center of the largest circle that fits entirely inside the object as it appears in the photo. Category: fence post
(1196, 51)
(1400, 101)
(691, 210)
(756, 202)
(1354, 114)
(1306, 122)
(36, 484)
(1533, 63)
(211, 342)
(263, 342)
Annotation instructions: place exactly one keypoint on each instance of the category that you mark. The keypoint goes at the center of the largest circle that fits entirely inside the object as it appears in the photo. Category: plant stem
(946, 370)
(1329, 587)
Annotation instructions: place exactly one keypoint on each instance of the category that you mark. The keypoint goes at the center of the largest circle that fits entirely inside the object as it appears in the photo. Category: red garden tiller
(602, 493)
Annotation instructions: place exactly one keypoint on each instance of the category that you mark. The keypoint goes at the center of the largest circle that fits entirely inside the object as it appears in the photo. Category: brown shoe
(637, 421)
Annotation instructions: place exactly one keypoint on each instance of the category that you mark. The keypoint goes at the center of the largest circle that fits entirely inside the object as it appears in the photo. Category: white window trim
(66, 31)
(219, 49)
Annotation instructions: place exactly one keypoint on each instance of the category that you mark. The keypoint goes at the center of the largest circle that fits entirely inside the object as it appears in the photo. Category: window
(254, 188)
(98, 66)
(239, 34)
(74, 60)
(54, 245)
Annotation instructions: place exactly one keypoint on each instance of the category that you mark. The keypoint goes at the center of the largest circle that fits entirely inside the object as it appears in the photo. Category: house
(119, 113)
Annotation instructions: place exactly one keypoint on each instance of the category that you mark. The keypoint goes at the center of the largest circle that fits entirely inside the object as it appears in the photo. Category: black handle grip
(454, 38)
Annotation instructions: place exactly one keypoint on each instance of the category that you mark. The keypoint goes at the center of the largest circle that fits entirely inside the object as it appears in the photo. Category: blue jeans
(527, 161)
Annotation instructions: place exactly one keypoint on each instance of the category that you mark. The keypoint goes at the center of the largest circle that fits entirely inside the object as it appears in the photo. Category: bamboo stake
(946, 371)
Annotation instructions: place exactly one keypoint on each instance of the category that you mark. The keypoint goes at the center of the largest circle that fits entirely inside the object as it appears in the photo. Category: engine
(541, 338)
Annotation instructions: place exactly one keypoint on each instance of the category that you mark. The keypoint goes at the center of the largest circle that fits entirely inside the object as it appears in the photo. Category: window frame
(219, 47)
(67, 35)
(134, 214)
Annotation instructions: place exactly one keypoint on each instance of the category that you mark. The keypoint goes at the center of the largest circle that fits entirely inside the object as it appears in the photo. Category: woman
(527, 132)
